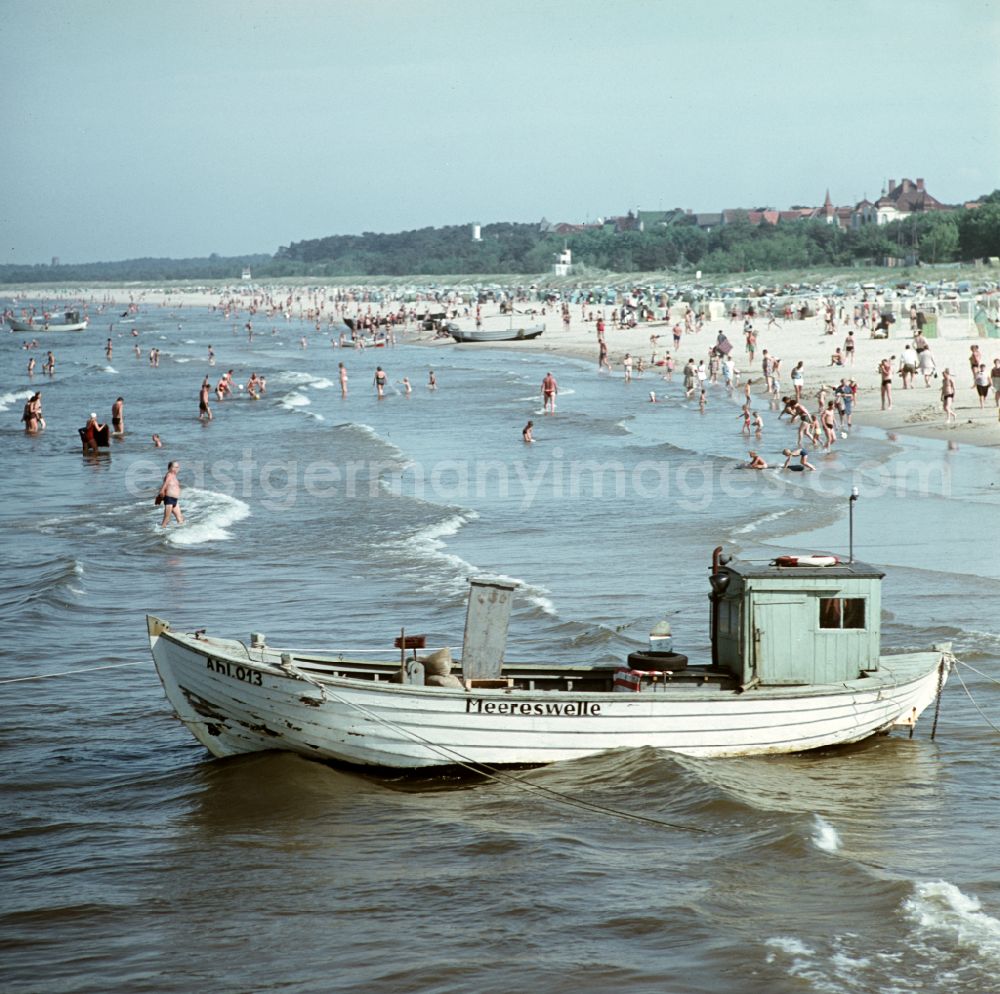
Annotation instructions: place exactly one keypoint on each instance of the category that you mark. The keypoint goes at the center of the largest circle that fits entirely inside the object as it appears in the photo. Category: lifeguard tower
(564, 263)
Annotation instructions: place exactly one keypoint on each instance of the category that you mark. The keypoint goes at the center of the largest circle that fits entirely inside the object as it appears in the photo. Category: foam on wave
(208, 515)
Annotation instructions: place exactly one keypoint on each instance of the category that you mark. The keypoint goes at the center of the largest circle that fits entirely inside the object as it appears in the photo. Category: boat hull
(236, 700)
(27, 328)
(505, 335)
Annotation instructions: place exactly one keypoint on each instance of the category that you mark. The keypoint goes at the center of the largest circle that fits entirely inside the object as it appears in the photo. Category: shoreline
(916, 411)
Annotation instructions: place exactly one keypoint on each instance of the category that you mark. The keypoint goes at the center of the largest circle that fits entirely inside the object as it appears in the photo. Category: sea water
(135, 862)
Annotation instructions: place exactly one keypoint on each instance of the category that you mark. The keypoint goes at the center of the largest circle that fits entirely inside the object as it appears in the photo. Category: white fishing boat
(795, 665)
(496, 334)
(71, 321)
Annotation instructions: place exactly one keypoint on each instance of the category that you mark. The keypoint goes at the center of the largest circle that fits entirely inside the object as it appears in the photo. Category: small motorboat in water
(72, 321)
(795, 665)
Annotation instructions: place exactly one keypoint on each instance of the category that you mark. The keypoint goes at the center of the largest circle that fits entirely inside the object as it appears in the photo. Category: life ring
(814, 560)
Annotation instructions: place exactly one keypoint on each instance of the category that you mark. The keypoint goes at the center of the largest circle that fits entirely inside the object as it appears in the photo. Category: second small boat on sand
(495, 335)
(795, 665)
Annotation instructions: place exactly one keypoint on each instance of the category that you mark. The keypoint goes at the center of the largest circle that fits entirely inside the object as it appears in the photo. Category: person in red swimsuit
(549, 390)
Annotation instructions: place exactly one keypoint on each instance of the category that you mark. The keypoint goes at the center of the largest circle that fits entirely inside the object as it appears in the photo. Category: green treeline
(504, 248)
(945, 236)
(736, 247)
(211, 269)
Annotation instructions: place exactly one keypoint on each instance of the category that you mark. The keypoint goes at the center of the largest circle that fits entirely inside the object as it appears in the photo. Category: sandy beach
(915, 411)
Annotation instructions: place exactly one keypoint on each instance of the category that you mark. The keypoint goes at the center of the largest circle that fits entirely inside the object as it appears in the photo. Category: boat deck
(596, 678)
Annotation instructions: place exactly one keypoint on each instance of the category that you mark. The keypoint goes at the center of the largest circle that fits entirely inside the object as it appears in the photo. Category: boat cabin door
(782, 638)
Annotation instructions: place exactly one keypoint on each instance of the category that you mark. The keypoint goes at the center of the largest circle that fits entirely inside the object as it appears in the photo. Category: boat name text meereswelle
(574, 709)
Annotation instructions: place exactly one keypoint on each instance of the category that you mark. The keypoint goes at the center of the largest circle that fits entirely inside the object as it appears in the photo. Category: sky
(135, 128)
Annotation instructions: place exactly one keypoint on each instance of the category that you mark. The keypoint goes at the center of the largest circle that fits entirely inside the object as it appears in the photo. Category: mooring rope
(968, 694)
(85, 669)
(985, 676)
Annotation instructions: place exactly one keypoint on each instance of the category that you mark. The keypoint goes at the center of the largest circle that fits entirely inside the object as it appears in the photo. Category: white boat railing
(349, 652)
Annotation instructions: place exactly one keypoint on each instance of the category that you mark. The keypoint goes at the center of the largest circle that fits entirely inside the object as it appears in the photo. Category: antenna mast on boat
(850, 525)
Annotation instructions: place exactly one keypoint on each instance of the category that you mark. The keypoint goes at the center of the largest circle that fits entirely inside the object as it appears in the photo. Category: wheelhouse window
(841, 612)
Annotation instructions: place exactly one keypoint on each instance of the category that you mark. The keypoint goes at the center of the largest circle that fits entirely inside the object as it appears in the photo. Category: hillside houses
(898, 201)
(906, 199)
